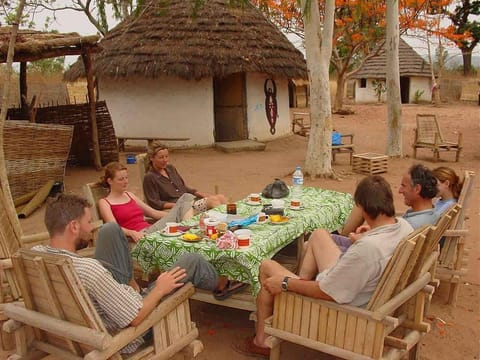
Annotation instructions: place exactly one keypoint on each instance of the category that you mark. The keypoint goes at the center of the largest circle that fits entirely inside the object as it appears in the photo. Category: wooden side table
(370, 163)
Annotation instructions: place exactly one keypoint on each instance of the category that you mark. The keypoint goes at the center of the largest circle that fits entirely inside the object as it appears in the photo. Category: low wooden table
(370, 163)
(149, 139)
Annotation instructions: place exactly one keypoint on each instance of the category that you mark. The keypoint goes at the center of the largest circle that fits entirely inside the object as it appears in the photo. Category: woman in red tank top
(129, 211)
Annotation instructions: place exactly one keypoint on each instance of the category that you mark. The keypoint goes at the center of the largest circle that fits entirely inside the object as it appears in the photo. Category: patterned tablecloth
(321, 209)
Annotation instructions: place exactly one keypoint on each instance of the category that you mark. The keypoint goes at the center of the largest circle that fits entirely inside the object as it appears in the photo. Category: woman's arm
(107, 216)
(148, 210)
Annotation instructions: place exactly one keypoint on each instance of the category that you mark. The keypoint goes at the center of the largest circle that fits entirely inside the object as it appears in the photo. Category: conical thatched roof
(217, 39)
(411, 64)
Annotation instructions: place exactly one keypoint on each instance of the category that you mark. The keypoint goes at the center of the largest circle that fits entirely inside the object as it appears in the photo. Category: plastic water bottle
(297, 183)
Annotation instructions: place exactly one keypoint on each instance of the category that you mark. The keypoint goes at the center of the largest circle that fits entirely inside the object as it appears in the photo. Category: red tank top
(129, 215)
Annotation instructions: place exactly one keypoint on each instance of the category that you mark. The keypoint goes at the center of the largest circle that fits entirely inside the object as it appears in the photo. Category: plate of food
(165, 233)
(278, 219)
(189, 237)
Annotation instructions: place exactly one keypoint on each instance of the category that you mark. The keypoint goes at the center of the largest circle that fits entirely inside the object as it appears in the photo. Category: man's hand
(273, 284)
(358, 234)
(170, 280)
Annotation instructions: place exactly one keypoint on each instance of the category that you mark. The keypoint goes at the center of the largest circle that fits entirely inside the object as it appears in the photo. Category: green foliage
(48, 66)
(417, 96)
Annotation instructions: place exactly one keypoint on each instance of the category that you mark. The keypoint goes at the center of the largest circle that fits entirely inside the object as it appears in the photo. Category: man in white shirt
(327, 273)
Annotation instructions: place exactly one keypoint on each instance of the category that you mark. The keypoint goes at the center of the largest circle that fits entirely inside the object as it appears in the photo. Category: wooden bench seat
(121, 140)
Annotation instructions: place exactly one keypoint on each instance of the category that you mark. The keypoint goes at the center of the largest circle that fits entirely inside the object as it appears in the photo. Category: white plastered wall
(258, 126)
(421, 84)
(161, 107)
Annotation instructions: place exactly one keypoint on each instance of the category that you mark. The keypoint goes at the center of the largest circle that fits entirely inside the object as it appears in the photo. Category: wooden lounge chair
(301, 123)
(453, 256)
(429, 136)
(66, 325)
(349, 332)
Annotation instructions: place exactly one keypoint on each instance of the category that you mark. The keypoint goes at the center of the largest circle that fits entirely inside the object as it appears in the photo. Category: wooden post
(87, 62)
(24, 89)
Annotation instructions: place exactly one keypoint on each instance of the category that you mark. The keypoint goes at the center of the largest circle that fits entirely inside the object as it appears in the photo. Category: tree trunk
(394, 105)
(467, 61)
(340, 94)
(5, 187)
(318, 162)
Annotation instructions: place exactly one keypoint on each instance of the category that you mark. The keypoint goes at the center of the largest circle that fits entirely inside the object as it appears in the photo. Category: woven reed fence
(77, 115)
(34, 154)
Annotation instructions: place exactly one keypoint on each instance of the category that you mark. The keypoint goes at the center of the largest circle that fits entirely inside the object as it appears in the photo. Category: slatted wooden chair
(67, 326)
(356, 333)
(454, 255)
(428, 135)
(347, 146)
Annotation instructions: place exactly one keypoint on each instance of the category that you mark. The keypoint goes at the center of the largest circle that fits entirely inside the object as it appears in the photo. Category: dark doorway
(230, 108)
(405, 89)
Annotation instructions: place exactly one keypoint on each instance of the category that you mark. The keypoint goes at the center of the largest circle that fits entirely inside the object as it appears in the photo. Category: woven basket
(34, 154)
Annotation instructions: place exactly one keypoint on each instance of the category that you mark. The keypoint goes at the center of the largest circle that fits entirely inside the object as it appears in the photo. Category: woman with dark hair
(126, 209)
(163, 186)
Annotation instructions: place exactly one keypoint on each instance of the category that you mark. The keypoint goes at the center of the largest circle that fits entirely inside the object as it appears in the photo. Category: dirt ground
(237, 174)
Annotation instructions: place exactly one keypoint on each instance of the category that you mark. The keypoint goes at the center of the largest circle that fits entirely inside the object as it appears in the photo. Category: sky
(74, 21)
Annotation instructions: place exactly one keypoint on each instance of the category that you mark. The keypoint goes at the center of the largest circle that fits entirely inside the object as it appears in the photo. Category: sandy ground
(238, 174)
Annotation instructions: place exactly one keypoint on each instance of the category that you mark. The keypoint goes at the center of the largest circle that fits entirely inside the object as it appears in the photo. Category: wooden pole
(5, 187)
(87, 62)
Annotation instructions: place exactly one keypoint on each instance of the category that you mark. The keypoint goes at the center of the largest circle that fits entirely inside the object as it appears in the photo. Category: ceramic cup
(278, 203)
(210, 227)
(172, 227)
(254, 197)
(243, 238)
(295, 203)
(261, 218)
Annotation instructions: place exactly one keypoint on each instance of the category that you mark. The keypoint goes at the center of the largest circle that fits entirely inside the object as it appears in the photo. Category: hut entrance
(229, 108)
(405, 89)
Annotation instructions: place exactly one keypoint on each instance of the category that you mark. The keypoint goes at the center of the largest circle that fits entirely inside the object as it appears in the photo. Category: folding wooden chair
(454, 255)
(66, 324)
(429, 136)
(349, 332)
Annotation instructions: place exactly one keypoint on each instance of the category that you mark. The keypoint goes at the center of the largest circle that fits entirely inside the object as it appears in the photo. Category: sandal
(247, 347)
(231, 288)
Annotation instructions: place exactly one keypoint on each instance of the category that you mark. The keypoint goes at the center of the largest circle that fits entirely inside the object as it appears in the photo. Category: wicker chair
(429, 136)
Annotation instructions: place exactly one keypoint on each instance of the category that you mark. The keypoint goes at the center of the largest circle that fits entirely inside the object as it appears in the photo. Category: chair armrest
(350, 136)
(402, 297)
(459, 232)
(126, 335)
(82, 334)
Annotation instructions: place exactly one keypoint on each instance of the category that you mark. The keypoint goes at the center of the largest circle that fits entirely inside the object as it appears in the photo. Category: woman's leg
(181, 211)
(354, 220)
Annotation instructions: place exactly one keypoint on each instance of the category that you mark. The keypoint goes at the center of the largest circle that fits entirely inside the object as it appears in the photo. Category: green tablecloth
(321, 209)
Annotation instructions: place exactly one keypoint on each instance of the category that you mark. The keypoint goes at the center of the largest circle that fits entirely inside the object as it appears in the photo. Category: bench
(149, 139)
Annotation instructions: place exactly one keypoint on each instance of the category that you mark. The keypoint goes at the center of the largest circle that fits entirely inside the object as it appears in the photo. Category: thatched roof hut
(175, 39)
(411, 64)
(415, 76)
(196, 72)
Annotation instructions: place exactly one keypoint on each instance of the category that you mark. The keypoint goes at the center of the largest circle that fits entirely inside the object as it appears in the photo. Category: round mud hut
(211, 73)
